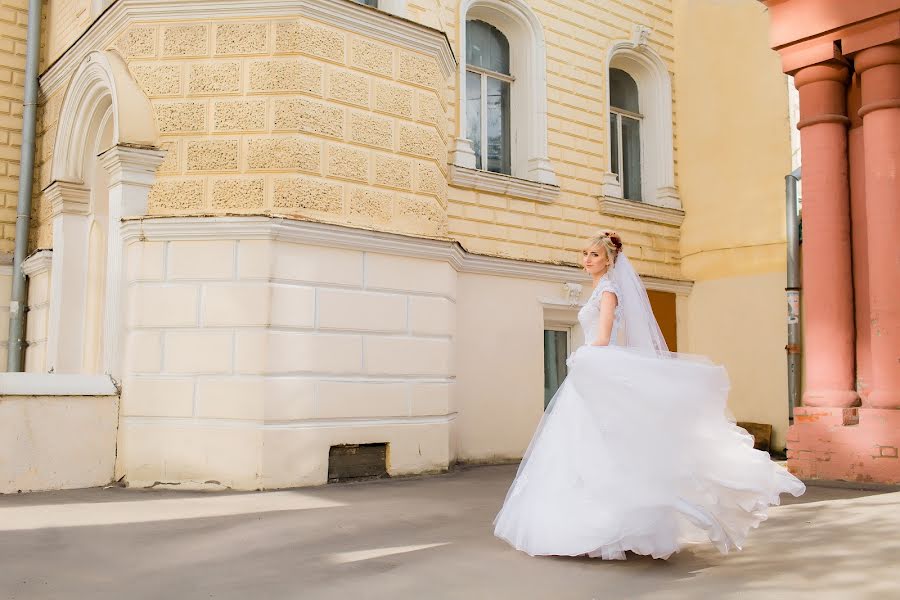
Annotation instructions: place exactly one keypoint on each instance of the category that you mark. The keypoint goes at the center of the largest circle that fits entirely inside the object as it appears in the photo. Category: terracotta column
(827, 277)
(860, 240)
(879, 69)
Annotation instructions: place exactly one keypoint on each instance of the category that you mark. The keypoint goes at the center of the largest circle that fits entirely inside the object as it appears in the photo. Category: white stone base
(249, 456)
(53, 442)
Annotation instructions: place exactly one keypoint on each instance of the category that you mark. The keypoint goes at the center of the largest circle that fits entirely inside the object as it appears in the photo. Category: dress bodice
(589, 315)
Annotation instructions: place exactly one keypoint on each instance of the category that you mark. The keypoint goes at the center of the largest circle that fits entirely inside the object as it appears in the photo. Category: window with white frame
(502, 101)
(556, 349)
(625, 132)
(638, 110)
(488, 87)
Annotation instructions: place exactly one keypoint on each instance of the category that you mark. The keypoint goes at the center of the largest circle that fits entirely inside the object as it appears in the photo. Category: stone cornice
(335, 236)
(43, 384)
(502, 185)
(39, 262)
(67, 198)
(132, 165)
(641, 210)
(341, 14)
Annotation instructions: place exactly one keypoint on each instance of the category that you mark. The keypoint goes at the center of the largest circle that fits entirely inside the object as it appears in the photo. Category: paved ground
(425, 538)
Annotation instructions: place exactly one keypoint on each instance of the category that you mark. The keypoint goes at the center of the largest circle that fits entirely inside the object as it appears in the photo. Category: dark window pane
(473, 114)
(623, 91)
(486, 47)
(555, 352)
(614, 141)
(498, 151)
(631, 158)
(372, 3)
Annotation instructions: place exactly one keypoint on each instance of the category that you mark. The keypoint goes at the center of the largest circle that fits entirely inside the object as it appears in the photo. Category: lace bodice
(589, 315)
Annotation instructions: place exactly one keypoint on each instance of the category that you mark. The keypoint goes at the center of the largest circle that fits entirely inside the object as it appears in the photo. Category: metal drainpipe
(15, 362)
(793, 291)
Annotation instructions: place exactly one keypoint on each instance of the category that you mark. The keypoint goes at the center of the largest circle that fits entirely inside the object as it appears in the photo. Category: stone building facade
(286, 226)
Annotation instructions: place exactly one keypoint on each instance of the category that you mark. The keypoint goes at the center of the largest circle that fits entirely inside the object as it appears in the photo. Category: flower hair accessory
(615, 239)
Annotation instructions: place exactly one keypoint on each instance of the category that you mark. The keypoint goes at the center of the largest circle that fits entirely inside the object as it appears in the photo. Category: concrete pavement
(420, 538)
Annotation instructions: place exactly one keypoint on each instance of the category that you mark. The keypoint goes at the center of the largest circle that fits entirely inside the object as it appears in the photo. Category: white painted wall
(247, 359)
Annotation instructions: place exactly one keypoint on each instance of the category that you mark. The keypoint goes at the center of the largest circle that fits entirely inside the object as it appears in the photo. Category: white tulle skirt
(636, 453)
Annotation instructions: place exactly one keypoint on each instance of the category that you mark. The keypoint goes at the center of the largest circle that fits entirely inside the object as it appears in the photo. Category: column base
(886, 399)
(846, 444)
(831, 398)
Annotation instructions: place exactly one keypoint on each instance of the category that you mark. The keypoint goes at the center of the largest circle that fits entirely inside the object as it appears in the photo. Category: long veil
(639, 325)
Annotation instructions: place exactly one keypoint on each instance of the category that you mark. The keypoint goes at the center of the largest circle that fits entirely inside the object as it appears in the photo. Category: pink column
(857, 161)
(827, 278)
(879, 69)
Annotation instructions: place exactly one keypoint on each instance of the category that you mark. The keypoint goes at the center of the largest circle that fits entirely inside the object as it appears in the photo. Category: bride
(634, 452)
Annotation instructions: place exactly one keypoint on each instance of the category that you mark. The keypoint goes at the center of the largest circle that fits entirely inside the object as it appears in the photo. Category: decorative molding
(39, 262)
(341, 14)
(101, 88)
(672, 286)
(610, 185)
(69, 198)
(641, 211)
(572, 292)
(640, 35)
(132, 165)
(45, 384)
(163, 229)
(462, 154)
(504, 185)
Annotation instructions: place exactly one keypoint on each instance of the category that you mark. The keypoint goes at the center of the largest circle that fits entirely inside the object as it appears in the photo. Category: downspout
(15, 362)
(793, 291)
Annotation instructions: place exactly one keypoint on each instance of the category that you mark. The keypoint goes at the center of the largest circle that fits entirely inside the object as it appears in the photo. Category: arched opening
(96, 156)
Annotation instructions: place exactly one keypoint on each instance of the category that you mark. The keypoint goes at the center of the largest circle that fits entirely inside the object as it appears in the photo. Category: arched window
(488, 81)
(625, 132)
(502, 101)
(640, 156)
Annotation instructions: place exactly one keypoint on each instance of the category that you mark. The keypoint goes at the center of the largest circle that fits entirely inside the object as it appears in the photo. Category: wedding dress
(635, 451)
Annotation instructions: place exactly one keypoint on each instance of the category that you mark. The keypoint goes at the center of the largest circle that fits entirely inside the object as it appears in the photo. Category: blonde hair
(610, 242)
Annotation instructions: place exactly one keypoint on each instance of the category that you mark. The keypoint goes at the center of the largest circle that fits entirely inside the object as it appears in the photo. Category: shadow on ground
(411, 538)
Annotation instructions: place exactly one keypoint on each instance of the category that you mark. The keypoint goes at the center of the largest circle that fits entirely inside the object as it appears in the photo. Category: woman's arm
(608, 303)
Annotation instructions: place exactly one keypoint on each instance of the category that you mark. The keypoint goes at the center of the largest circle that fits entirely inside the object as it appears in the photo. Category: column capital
(879, 70)
(135, 165)
(823, 93)
(66, 197)
(831, 70)
(876, 56)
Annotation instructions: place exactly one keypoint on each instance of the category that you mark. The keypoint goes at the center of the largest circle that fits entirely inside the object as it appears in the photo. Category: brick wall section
(64, 22)
(856, 444)
(578, 34)
(13, 24)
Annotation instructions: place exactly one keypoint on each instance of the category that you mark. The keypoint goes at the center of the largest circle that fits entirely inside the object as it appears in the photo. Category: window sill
(643, 211)
(504, 185)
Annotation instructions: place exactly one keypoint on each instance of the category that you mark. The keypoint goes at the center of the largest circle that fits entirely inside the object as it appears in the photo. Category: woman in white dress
(635, 451)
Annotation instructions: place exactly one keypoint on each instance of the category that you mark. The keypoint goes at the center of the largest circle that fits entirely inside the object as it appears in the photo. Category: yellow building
(284, 227)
